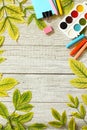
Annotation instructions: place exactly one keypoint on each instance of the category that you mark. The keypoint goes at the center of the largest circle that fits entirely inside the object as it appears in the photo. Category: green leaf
(72, 124)
(77, 115)
(3, 94)
(7, 84)
(67, 5)
(84, 128)
(14, 10)
(30, 18)
(56, 114)
(12, 30)
(3, 25)
(82, 111)
(3, 111)
(19, 126)
(26, 97)
(2, 59)
(71, 105)
(30, 8)
(80, 83)
(1, 75)
(25, 118)
(2, 38)
(71, 98)
(23, 1)
(7, 127)
(37, 126)
(1, 12)
(40, 23)
(78, 68)
(56, 124)
(24, 107)
(1, 52)
(16, 19)
(1, 126)
(84, 98)
(64, 118)
(76, 102)
(16, 98)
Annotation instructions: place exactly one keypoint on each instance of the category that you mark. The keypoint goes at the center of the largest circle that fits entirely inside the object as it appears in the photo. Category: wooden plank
(36, 59)
(45, 88)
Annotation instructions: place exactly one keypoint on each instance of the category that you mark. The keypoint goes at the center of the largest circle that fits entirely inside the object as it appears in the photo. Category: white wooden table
(40, 63)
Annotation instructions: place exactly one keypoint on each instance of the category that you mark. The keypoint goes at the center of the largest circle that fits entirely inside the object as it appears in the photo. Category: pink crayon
(53, 6)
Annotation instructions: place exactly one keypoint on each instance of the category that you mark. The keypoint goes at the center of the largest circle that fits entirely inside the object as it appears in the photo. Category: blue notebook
(41, 6)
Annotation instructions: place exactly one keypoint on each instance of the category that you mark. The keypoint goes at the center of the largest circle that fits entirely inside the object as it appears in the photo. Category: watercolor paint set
(75, 21)
(72, 26)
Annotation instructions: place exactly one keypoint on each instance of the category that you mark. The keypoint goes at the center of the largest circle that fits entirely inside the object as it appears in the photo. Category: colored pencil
(80, 51)
(77, 39)
(79, 45)
(59, 7)
(53, 6)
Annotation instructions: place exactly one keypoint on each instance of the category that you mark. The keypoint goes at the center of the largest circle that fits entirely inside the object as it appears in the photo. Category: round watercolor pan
(80, 8)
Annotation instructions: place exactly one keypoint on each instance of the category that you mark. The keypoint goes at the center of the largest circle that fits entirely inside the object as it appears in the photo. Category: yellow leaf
(12, 30)
(2, 38)
(2, 59)
(1, 52)
(7, 84)
(1, 75)
(17, 19)
(1, 12)
(79, 82)
(9, 0)
(3, 25)
(84, 98)
(78, 68)
(14, 10)
(3, 94)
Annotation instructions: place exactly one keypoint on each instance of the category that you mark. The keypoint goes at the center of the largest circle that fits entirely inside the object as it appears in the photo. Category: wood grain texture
(40, 63)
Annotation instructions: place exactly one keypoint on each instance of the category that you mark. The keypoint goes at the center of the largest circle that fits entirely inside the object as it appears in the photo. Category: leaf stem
(4, 8)
(9, 120)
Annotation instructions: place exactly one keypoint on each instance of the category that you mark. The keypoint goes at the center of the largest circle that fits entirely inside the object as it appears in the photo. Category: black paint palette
(75, 22)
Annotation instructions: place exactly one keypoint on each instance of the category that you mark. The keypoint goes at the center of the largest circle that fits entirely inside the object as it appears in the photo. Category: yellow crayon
(59, 7)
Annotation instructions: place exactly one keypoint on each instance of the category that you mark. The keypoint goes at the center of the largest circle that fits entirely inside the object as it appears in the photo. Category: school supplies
(80, 51)
(59, 7)
(78, 46)
(47, 29)
(72, 25)
(75, 40)
(44, 8)
(75, 22)
(53, 6)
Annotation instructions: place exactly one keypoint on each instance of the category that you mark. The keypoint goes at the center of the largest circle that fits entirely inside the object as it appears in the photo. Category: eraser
(48, 29)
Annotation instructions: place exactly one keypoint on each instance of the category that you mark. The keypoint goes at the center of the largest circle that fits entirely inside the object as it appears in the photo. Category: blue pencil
(75, 40)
